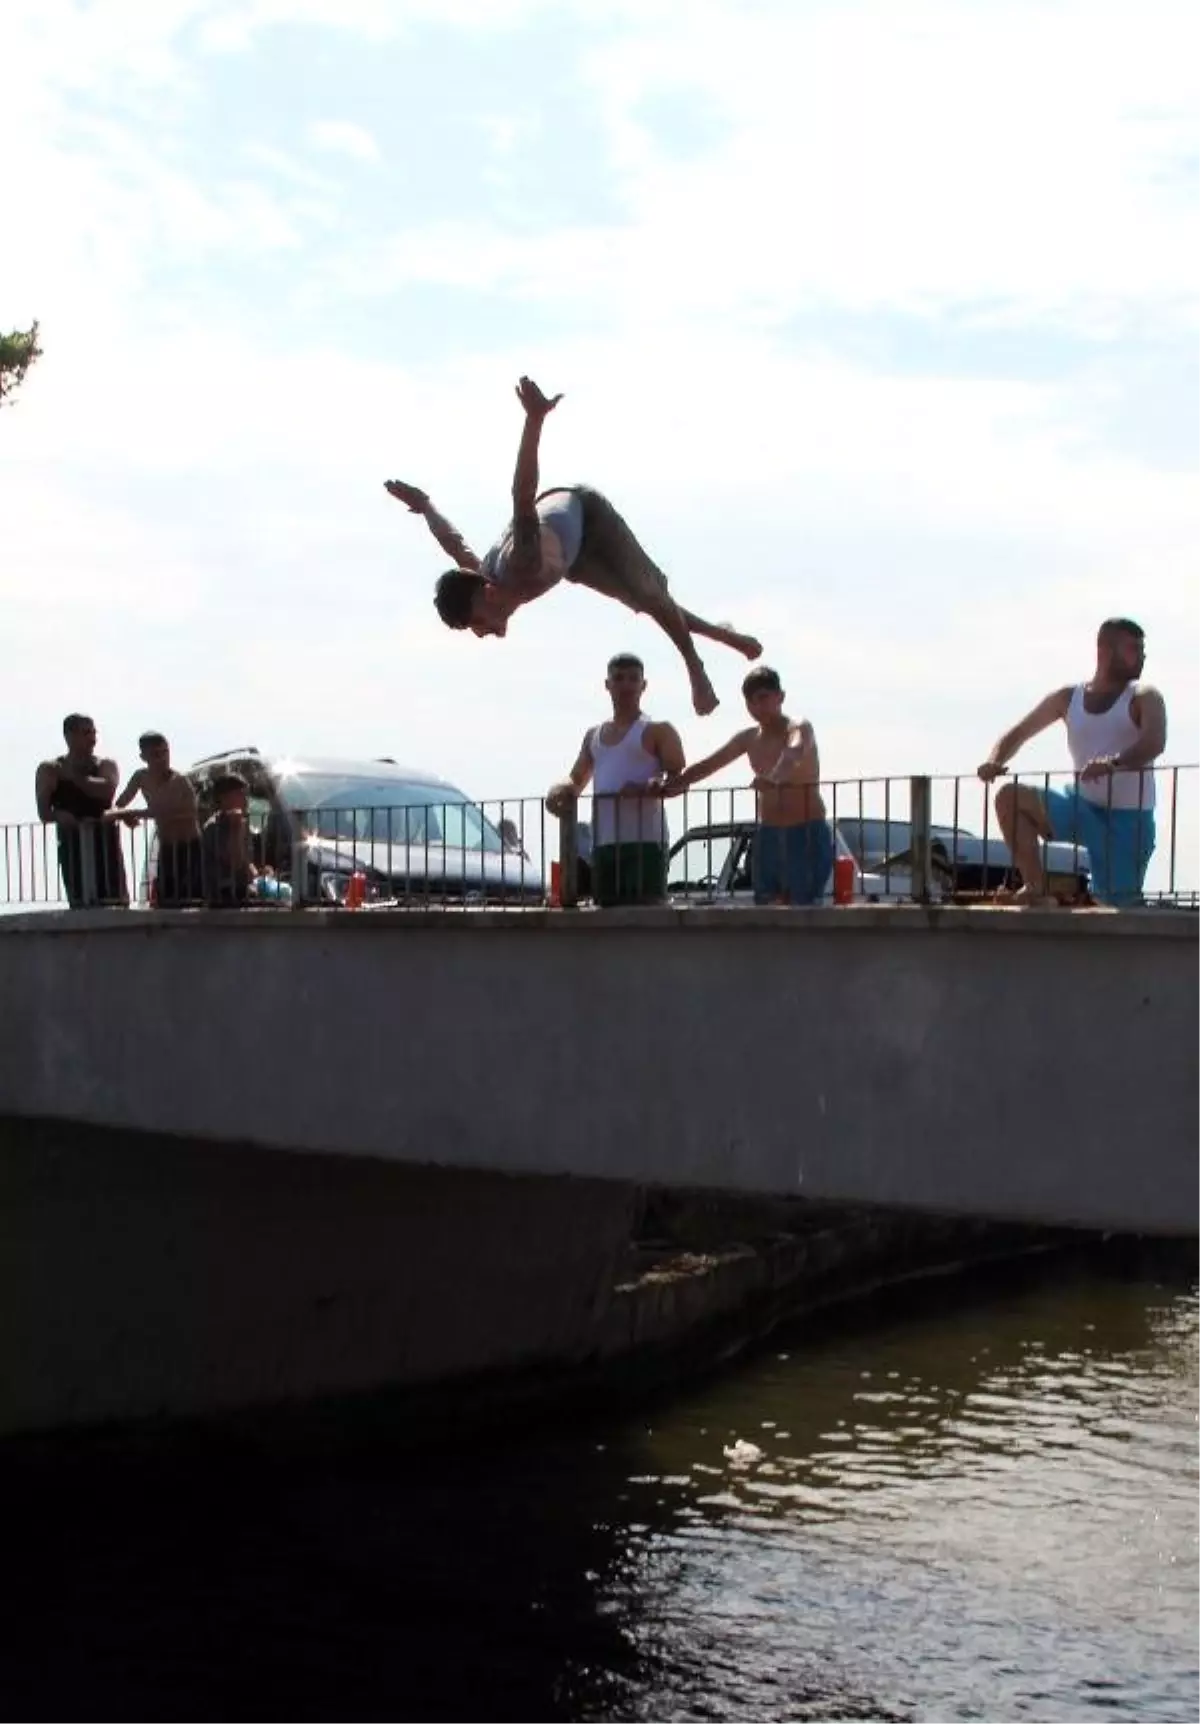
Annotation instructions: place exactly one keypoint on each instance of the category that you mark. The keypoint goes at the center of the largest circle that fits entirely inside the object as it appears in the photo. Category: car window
(389, 811)
(698, 862)
(872, 840)
(741, 878)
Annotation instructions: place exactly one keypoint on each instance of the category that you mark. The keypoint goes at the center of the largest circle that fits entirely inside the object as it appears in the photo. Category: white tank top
(1091, 735)
(614, 765)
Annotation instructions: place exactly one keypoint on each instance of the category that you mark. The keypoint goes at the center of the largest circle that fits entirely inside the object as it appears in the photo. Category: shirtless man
(73, 794)
(1116, 730)
(570, 533)
(624, 760)
(792, 852)
(229, 870)
(171, 804)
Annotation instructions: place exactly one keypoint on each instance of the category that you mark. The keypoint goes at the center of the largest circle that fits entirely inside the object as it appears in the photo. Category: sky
(877, 322)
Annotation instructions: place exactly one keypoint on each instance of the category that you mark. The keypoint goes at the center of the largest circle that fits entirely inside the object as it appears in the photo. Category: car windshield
(698, 862)
(389, 811)
(872, 840)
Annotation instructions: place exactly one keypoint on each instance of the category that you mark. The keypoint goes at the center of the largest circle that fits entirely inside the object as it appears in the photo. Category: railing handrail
(933, 832)
(1157, 769)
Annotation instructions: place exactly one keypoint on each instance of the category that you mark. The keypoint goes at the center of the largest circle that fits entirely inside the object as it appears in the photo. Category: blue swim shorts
(792, 862)
(1119, 842)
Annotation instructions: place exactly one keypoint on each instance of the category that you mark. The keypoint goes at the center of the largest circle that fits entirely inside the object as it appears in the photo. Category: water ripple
(1009, 1531)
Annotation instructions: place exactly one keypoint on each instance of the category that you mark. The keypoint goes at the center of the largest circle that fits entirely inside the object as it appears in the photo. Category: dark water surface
(974, 1502)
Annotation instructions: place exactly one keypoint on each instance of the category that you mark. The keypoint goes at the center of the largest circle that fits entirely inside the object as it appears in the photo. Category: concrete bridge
(253, 1158)
(1030, 1066)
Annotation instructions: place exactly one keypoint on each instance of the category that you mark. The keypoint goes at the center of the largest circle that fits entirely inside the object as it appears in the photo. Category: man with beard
(1116, 730)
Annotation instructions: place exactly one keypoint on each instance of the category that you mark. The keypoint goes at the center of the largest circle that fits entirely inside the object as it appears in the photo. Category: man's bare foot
(745, 644)
(1025, 897)
(704, 695)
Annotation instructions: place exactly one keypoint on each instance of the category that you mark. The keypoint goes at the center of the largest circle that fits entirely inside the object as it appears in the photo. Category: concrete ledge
(1019, 1066)
(1166, 923)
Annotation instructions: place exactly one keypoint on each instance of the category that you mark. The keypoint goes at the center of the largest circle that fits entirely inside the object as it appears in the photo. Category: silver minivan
(316, 822)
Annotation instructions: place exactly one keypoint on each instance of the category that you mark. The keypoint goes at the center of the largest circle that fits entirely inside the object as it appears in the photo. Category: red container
(844, 876)
(556, 884)
(356, 891)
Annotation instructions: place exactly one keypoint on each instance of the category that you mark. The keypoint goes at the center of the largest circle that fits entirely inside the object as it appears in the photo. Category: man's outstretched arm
(733, 749)
(121, 810)
(560, 795)
(1041, 718)
(446, 534)
(525, 558)
(135, 787)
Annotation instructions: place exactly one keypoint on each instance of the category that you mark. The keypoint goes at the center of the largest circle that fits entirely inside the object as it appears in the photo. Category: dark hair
(455, 595)
(625, 661)
(1120, 626)
(77, 721)
(228, 781)
(762, 680)
(152, 739)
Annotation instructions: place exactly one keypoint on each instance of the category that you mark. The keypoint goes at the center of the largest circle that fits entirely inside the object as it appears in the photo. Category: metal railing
(428, 855)
(885, 840)
(939, 839)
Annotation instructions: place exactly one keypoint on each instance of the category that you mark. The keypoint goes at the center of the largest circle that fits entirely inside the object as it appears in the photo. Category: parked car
(413, 836)
(714, 862)
(964, 862)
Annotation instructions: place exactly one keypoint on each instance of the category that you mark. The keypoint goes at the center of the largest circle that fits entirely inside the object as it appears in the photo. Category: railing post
(88, 831)
(921, 819)
(568, 854)
(299, 861)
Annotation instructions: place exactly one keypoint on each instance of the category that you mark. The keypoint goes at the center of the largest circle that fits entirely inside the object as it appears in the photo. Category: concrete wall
(1020, 1065)
(147, 1277)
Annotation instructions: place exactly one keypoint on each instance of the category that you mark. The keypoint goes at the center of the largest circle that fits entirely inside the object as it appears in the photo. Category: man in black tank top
(73, 793)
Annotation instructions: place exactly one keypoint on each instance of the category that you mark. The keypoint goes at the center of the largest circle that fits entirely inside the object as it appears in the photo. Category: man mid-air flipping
(571, 533)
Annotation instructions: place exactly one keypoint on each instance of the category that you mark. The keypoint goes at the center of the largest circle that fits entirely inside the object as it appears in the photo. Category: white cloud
(879, 155)
(923, 555)
(343, 138)
(1016, 162)
(234, 28)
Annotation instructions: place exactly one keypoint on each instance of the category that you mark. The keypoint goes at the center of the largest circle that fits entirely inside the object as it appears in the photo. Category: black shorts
(180, 875)
(611, 560)
(629, 874)
(108, 884)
